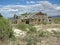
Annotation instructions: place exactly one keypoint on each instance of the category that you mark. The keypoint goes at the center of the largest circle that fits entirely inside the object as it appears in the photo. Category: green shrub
(57, 20)
(18, 44)
(32, 29)
(29, 43)
(22, 26)
(6, 31)
(44, 23)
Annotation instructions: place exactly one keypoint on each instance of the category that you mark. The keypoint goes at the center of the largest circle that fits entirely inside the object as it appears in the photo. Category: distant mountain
(58, 16)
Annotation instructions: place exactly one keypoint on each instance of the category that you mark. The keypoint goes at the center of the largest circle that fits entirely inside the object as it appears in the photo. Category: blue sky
(9, 7)
(23, 2)
(14, 2)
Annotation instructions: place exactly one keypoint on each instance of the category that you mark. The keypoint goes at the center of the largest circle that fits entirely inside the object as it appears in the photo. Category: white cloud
(57, 8)
(30, 2)
(8, 9)
(44, 6)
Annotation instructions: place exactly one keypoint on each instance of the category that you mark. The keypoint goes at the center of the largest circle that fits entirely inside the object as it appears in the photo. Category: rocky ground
(48, 27)
(51, 40)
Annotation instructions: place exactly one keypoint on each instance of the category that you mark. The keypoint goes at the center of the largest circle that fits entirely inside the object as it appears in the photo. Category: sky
(10, 7)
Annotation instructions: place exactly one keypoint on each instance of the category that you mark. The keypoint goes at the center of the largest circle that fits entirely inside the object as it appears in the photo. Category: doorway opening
(27, 21)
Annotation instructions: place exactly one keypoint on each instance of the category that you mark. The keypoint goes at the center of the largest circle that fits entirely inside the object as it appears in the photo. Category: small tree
(25, 14)
(1, 15)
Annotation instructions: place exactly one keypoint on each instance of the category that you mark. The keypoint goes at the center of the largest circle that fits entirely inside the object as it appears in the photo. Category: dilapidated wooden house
(32, 18)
